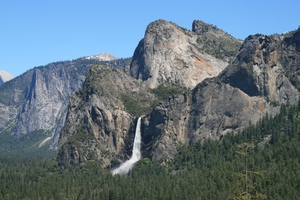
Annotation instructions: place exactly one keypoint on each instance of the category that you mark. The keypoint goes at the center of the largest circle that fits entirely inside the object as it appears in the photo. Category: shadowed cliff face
(261, 77)
(169, 53)
(38, 99)
(47, 98)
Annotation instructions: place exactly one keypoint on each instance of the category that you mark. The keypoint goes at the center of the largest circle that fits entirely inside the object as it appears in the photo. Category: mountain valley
(219, 119)
(188, 86)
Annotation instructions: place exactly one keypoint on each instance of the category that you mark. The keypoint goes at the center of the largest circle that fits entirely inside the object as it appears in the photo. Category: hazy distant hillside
(37, 100)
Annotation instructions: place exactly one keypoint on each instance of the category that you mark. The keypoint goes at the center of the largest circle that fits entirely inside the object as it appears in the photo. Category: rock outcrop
(169, 53)
(263, 75)
(101, 118)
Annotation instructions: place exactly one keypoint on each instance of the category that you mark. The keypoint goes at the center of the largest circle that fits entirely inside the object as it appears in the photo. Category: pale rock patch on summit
(101, 57)
(5, 76)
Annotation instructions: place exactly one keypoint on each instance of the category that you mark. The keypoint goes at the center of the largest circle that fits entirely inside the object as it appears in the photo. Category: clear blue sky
(35, 32)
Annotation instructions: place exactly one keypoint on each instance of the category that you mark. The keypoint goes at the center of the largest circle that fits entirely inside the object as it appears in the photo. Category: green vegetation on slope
(137, 106)
(28, 145)
(141, 105)
(213, 170)
(165, 91)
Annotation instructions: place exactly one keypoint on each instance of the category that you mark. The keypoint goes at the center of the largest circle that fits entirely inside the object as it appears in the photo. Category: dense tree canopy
(211, 170)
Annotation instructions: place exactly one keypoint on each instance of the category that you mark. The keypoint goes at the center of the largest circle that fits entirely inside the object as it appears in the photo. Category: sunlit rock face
(264, 74)
(260, 76)
(172, 54)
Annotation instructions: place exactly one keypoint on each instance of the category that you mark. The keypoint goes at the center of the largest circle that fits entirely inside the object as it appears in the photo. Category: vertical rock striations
(38, 99)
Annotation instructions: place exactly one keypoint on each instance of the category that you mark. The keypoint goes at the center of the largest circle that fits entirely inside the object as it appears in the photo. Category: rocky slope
(101, 117)
(169, 53)
(5, 76)
(38, 99)
(264, 74)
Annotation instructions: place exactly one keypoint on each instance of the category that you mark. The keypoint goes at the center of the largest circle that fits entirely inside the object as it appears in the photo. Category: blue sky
(35, 33)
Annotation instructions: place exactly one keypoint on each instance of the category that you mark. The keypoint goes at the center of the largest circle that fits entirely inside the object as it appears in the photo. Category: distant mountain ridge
(37, 99)
(102, 57)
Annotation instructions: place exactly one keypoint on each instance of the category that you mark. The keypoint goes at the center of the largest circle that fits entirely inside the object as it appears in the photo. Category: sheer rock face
(263, 75)
(169, 53)
(98, 125)
(38, 99)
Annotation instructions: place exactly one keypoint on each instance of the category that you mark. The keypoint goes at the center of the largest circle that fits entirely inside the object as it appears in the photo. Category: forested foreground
(262, 162)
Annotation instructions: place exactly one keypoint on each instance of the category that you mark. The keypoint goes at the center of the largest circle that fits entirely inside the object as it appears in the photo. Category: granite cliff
(169, 59)
(263, 75)
(101, 117)
(37, 100)
(34, 104)
(172, 54)
(102, 114)
(230, 87)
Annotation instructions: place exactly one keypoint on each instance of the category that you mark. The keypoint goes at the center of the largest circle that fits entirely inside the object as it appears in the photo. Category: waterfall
(125, 167)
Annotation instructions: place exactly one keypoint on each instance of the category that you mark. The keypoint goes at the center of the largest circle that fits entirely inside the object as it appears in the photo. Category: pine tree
(249, 189)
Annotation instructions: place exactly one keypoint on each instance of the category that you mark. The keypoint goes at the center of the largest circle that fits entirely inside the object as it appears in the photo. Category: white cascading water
(125, 167)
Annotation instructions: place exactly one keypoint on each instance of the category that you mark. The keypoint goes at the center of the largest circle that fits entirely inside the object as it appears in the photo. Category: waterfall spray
(125, 167)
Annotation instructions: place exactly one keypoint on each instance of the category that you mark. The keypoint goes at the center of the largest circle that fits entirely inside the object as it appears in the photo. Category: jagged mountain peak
(262, 76)
(170, 53)
(102, 57)
(262, 63)
(5, 76)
